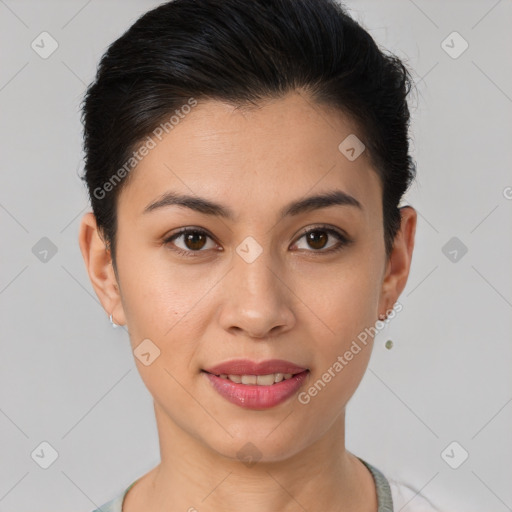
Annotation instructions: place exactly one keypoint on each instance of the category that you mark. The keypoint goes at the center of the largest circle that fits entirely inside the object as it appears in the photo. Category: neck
(321, 475)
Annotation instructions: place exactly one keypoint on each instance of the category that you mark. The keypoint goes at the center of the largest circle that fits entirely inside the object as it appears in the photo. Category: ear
(399, 262)
(98, 263)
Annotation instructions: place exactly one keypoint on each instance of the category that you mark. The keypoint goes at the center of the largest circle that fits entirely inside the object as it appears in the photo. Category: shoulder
(394, 494)
(114, 505)
(403, 494)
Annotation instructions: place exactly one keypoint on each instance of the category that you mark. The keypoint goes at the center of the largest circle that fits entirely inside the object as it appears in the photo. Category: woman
(245, 161)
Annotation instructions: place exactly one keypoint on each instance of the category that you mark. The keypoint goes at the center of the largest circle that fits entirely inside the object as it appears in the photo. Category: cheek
(344, 309)
(343, 298)
(157, 295)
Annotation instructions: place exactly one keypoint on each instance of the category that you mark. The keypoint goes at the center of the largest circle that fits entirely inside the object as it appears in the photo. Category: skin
(293, 302)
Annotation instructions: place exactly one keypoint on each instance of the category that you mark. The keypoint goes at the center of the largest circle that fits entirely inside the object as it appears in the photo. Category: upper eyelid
(342, 237)
(325, 227)
(185, 231)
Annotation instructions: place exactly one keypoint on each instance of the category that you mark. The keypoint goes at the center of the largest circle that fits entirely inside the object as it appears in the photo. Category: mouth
(253, 373)
(257, 380)
(258, 392)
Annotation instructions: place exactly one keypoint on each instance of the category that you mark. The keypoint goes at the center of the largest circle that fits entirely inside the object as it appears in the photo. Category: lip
(251, 396)
(248, 367)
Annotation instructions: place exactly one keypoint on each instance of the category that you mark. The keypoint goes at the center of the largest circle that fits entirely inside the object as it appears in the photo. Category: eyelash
(344, 241)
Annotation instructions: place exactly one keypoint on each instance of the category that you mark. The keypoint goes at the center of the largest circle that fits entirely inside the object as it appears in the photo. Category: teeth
(265, 380)
(249, 379)
(260, 380)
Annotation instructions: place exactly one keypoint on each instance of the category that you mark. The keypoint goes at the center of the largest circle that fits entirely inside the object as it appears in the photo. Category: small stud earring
(114, 325)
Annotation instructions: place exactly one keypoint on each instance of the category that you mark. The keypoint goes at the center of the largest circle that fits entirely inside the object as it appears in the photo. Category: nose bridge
(256, 301)
(253, 271)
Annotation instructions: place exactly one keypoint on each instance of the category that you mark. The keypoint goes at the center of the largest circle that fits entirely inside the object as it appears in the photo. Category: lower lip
(257, 397)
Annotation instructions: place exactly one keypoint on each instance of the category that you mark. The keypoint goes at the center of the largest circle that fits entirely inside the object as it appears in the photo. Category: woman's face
(252, 285)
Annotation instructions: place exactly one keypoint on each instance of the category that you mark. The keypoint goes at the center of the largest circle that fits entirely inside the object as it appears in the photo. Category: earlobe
(98, 263)
(399, 263)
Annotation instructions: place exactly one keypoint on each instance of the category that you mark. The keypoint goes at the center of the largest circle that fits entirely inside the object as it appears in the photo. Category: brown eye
(318, 238)
(194, 241)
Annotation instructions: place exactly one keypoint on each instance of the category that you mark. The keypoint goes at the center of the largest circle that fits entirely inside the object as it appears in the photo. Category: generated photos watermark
(144, 149)
(343, 360)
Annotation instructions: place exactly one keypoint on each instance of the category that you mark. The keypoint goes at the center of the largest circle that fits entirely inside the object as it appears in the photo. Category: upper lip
(248, 367)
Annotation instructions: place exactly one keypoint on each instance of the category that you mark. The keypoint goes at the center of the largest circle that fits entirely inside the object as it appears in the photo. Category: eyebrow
(208, 207)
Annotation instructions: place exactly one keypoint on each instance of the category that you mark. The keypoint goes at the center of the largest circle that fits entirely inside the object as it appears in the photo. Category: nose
(257, 301)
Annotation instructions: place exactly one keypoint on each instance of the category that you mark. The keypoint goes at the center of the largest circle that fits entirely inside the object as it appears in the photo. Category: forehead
(256, 158)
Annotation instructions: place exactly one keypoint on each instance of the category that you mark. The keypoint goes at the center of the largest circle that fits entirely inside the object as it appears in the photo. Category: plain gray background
(68, 379)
